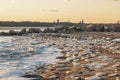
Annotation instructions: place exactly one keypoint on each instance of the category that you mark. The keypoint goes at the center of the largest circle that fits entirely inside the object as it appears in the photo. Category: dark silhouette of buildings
(58, 21)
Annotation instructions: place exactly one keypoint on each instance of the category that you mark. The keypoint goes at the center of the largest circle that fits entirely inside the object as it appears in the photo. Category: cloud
(68, 0)
(53, 10)
(50, 10)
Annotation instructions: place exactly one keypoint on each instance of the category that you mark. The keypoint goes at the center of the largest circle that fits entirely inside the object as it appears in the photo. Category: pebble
(76, 63)
(68, 72)
(53, 76)
(111, 75)
(62, 69)
(59, 65)
(100, 74)
(94, 78)
(116, 40)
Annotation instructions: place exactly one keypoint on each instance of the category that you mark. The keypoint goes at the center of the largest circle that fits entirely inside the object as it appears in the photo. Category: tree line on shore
(32, 24)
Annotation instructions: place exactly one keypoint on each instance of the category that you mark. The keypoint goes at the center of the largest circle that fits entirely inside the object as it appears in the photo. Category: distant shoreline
(67, 28)
(33, 24)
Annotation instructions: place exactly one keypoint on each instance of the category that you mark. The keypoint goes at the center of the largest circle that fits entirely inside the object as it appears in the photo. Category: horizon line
(62, 22)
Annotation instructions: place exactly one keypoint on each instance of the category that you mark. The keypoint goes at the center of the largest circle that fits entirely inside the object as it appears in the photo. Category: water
(6, 29)
(16, 58)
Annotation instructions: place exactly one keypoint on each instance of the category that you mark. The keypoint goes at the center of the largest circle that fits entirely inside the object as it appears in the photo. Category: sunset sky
(98, 11)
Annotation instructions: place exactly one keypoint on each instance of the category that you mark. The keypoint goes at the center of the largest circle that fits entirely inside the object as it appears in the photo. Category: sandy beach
(55, 56)
(85, 56)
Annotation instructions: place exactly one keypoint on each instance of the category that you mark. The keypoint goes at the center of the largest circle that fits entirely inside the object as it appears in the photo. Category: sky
(95, 11)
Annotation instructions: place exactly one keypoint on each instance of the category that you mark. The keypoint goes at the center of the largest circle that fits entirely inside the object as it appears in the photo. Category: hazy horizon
(95, 11)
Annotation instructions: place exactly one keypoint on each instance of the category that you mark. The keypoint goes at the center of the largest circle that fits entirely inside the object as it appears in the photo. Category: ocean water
(6, 29)
(19, 55)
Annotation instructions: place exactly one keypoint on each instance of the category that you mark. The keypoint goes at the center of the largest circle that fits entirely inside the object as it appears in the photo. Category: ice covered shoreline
(85, 56)
(23, 54)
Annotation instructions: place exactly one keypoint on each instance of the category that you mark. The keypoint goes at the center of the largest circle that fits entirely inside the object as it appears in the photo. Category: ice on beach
(16, 58)
(5, 41)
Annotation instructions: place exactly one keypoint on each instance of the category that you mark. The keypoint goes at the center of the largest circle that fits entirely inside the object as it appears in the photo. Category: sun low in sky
(98, 11)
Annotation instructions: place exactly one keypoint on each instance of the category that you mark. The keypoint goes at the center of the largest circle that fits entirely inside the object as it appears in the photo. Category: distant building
(82, 21)
(54, 22)
(81, 24)
(58, 21)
